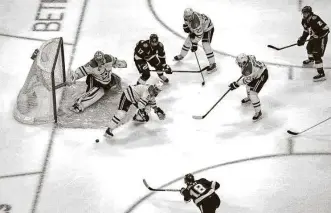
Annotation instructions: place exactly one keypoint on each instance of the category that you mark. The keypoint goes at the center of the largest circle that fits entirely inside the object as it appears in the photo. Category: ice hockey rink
(259, 166)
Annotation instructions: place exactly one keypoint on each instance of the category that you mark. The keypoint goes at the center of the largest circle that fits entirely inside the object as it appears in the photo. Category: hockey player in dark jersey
(318, 30)
(151, 52)
(202, 192)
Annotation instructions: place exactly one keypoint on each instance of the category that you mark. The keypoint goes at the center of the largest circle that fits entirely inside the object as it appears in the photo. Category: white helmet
(188, 14)
(242, 60)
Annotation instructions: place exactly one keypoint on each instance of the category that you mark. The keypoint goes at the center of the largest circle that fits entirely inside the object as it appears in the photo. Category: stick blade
(292, 133)
(198, 117)
(145, 183)
(273, 47)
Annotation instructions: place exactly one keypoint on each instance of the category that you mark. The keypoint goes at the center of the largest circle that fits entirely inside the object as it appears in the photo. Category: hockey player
(255, 75)
(141, 96)
(99, 79)
(318, 30)
(202, 192)
(151, 52)
(198, 26)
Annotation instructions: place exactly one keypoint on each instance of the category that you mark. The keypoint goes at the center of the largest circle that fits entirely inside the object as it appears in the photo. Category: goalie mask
(188, 14)
(99, 57)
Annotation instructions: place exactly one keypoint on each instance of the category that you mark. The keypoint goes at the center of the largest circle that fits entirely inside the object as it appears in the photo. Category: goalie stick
(297, 133)
(159, 190)
(199, 117)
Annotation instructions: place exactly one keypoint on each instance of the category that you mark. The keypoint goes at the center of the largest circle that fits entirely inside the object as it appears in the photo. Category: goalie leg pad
(116, 81)
(90, 97)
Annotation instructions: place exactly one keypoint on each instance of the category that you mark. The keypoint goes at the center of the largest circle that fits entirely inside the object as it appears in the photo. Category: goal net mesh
(37, 100)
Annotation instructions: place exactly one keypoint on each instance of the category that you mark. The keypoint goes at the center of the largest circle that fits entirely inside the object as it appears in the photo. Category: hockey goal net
(37, 100)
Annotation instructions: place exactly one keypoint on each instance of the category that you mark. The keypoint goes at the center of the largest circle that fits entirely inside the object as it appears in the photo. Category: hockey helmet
(99, 56)
(188, 14)
(306, 11)
(242, 60)
(153, 39)
(188, 179)
(155, 89)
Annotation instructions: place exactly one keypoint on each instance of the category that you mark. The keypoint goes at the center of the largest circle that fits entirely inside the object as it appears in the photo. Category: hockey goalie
(99, 79)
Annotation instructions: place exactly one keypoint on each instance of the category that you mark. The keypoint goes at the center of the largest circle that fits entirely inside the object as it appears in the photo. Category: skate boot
(211, 68)
(319, 77)
(246, 100)
(178, 58)
(257, 116)
(164, 78)
(309, 61)
(76, 108)
(108, 133)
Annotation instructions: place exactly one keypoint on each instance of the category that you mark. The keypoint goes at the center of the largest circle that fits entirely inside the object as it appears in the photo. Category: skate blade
(212, 71)
(321, 79)
(258, 119)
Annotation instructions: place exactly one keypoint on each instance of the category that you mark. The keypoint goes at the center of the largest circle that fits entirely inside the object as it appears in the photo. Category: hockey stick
(184, 71)
(203, 78)
(159, 190)
(281, 48)
(297, 133)
(199, 117)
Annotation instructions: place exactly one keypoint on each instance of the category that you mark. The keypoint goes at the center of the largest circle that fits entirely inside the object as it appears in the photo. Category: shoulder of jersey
(314, 17)
(195, 21)
(160, 45)
(92, 63)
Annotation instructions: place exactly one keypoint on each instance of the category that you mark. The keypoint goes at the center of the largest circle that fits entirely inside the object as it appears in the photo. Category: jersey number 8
(198, 190)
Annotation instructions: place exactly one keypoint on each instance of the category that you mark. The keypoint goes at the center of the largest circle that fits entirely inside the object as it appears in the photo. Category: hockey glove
(182, 190)
(192, 35)
(141, 116)
(194, 47)
(166, 68)
(186, 28)
(301, 42)
(159, 113)
(234, 85)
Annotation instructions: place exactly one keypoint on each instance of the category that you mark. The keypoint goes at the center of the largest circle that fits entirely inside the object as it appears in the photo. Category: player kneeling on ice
(255, 74)
(141, 96)
(202, 192)
(151, 52)
(198, 26)
(99, 79)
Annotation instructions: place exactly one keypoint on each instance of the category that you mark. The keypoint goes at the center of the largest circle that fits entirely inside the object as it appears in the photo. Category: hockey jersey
(199, 24)
(314, 25)
(199, 190)
(253, 70)
(145, 51)
(139, 96)
(101, 73)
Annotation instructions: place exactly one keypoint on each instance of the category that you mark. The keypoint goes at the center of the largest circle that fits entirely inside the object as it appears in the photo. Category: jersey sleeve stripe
(82, 70)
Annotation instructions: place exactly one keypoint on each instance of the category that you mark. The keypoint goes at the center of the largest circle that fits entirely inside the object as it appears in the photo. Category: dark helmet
(189, 179)
(153, 39)
(307, 9)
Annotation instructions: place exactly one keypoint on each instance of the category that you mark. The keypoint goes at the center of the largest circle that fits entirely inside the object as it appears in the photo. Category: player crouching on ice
(202, 192)
(141, 96)
(99, 79)
(255, 74)
(199, 26)
(151, 52)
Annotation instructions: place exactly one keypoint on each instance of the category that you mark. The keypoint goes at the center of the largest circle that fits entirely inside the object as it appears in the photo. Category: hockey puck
(97, 140)
(203, 83)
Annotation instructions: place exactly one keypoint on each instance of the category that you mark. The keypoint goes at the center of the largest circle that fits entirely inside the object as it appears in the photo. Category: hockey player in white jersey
(198, 26)
(255, 75)
(141, 96)
(99, 79)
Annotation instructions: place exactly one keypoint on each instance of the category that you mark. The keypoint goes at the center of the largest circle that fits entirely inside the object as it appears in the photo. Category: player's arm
(81, 72)
(161, 53)
(302, 39)
(212, 184)
(186, 193)
(116, 63)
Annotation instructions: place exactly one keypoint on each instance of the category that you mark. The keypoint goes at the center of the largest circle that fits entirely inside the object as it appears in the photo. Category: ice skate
(308, 63)
(257, 116)
(319, 77)
(178, 58)
(246, 101)
(76, 108)
(164, 78)
(211, 68)
(108, 133)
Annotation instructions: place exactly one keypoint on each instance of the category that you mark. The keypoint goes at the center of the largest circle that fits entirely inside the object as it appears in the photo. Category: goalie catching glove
(159, 113)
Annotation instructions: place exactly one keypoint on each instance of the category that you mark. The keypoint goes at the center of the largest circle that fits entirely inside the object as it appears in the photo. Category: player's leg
(156, 63)
(318, 53)
(210, 204)
(144, 71)
(123, 108)
(93, 93)
(246, 100)
(206, 40)
(186, 47)
(116, 82)
(256, 87)
(309, 49)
